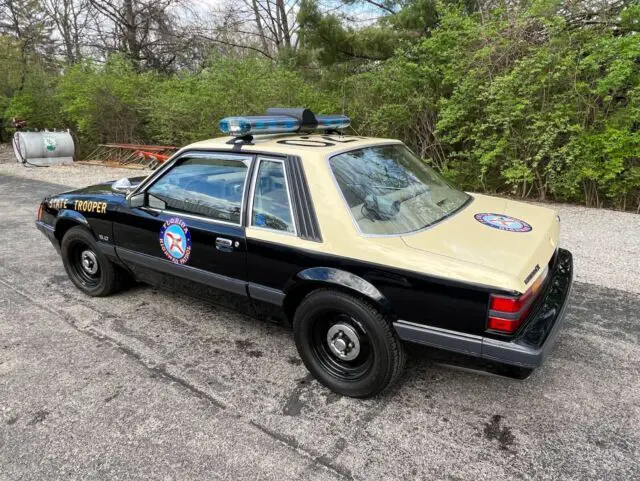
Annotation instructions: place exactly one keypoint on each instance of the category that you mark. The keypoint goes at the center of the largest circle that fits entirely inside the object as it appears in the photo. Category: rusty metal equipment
(132, 155)
(152, 157)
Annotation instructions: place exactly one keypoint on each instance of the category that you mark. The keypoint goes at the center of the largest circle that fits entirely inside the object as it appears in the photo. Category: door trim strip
(186, 272)
(236, 286)
(266, 294)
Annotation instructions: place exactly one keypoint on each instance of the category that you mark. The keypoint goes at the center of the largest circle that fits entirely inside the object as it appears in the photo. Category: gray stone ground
(154, 385)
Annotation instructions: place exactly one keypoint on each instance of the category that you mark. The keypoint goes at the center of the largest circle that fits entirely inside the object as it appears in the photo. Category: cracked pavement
(149, 384)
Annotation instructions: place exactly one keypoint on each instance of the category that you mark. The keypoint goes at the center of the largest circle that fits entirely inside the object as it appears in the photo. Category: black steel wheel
(86, 266)
(341, 345)
(347, 344)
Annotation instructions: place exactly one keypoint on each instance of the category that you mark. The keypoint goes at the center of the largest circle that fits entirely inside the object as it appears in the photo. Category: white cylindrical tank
(44, 148)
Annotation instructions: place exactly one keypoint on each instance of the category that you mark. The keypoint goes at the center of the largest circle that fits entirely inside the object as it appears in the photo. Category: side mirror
(136, 200)
(122, 185)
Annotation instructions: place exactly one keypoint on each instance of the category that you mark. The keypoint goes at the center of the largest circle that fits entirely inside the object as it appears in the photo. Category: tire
(78, 245)
(328, 314)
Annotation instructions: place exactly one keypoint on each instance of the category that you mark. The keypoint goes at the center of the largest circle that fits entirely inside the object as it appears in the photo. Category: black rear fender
(315, 278)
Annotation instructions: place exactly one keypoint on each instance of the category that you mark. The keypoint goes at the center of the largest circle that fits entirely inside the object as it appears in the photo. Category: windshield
(390, 191)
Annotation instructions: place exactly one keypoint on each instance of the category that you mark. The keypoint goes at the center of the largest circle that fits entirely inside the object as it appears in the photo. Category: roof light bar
(264, 124)
(337, 122)
(279, 121)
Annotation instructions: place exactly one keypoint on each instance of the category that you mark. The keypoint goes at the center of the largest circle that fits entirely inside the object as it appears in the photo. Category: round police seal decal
(175, 240)
(503, 222)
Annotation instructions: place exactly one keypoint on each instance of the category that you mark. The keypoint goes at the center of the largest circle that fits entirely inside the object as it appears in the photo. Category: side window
(209, 187)
(271, 207)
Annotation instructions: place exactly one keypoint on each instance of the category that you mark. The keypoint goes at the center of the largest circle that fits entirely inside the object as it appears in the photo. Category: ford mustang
(355, 242)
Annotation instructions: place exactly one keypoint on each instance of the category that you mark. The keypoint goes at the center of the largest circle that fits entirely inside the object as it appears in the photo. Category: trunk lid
(495, 242)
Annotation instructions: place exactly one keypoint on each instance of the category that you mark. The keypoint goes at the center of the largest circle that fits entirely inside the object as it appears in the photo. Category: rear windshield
(390, 191)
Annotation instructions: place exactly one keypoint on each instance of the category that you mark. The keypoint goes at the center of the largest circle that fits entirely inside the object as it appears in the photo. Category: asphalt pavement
(149, 384)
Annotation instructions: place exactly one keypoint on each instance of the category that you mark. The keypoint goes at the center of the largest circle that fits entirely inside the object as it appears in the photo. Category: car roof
(297, 144)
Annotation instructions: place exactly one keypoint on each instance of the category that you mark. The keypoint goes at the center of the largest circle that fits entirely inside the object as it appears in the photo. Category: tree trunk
(282, 13)
(256, 13)
(130, 32)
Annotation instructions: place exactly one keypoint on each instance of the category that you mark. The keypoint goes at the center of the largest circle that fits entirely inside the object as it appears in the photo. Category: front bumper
(49, 232)
(532, 343)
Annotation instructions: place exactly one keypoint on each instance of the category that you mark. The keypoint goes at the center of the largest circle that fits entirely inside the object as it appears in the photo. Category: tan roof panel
(295, 144)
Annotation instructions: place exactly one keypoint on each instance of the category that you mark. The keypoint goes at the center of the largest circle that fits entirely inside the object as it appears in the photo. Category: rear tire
(87, 266)
(347, 344)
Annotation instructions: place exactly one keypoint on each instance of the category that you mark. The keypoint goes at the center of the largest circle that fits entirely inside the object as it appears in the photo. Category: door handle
(223, 244)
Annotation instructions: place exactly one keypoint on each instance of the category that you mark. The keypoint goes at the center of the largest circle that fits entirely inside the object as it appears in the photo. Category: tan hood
(514, 253)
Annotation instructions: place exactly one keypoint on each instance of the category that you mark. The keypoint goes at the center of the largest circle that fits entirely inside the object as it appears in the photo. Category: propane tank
(43, 148)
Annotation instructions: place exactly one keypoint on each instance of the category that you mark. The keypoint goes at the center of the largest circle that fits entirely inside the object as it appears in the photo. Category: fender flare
(68, 218)
(317, 277)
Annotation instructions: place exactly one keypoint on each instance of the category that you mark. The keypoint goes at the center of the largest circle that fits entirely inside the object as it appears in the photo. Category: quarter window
(271, 206)
(208, 187)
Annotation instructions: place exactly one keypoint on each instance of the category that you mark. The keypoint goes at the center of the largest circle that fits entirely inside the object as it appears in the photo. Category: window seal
(252, 196)
(190, 216)
(165, 169)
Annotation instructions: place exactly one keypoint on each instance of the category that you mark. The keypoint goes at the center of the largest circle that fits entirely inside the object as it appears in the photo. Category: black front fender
(67, 219)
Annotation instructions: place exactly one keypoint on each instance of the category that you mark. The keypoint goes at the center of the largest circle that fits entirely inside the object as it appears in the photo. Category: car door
(186, 223)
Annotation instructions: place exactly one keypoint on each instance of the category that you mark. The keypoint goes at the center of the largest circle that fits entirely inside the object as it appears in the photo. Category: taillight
(507, 304)
(40, 211)
(506, 314)
(504, 325)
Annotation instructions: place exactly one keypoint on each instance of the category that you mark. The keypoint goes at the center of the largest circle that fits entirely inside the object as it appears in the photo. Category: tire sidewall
(80, 234)
(321, 302)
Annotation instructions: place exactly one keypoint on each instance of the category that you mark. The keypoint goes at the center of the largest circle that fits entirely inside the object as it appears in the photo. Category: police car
(355, 242)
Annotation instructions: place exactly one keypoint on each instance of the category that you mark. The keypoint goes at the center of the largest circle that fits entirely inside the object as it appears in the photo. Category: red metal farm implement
(132, 155)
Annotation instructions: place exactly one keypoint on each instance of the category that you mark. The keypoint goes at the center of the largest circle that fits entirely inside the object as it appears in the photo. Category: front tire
(87, 266)
(347, 344)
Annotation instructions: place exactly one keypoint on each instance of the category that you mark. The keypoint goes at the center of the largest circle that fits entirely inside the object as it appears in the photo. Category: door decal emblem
(175, 240)
(503, 222)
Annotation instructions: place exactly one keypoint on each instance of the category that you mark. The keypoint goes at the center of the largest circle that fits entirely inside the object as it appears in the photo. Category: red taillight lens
(506, 304)
(40, 212)
(506, 314)
(504, 325)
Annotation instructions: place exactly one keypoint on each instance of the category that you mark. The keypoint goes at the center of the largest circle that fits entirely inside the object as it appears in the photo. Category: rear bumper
(49, 233)
(530, 346)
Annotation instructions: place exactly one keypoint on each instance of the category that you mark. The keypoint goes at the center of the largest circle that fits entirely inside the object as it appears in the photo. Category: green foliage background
(522, 104)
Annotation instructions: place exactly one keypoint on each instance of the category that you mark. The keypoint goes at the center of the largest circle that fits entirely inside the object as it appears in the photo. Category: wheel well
(295, 297)
(63, 225)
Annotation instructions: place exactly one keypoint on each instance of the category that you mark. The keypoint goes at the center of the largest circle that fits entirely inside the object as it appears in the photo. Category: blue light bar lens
(337, 122)
(264, 124)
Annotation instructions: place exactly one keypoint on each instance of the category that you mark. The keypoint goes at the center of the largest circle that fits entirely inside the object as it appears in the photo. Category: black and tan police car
(353, 241)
